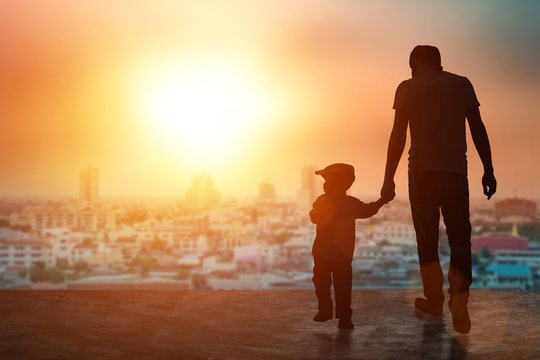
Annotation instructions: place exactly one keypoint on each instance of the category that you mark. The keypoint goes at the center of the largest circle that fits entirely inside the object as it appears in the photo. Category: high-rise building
(267, 191)
(202, 192)
(307, 192)
(88, 187)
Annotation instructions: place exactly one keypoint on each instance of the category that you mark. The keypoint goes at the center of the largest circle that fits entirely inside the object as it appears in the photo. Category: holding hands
(388, 191)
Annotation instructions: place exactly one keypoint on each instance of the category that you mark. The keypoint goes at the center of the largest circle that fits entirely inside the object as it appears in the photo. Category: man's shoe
(323, 316)
(345, 324)
(460, 316)
(425, 306)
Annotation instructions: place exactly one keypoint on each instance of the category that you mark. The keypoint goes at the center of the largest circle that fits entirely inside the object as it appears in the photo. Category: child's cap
(346, 171)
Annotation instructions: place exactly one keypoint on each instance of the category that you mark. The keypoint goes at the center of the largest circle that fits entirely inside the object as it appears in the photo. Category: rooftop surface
(258, 325)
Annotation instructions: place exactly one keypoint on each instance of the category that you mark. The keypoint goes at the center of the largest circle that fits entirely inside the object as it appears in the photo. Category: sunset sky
(153, 92)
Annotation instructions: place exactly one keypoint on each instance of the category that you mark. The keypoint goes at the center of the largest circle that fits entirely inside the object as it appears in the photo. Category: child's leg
(323, 281)
(342, 289)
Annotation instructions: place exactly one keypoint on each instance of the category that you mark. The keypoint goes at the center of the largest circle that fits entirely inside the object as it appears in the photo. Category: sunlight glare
(205, 109)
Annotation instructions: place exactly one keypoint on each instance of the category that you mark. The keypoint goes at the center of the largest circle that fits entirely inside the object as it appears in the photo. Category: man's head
(338, 177)
(424, 57)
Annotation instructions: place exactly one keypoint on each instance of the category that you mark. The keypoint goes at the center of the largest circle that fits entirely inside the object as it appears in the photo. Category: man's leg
(322, 279)
(455, 210)
(424, 196)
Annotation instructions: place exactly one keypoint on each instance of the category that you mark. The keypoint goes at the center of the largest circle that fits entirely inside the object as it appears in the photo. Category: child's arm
(322, 211)
(364, 210)
(315, 213)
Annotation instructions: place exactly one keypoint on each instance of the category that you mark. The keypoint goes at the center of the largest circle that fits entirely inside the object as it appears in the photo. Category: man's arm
(481, 142)
(396, 144)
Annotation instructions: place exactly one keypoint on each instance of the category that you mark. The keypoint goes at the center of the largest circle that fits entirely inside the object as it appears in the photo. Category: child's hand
(381, 201)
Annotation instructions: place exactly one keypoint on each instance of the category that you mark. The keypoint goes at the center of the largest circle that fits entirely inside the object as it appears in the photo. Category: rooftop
(516, 271)
(258, 325)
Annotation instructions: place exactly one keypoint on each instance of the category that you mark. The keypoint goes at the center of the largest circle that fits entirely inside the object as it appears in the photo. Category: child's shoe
(323, 316)
(345, 324)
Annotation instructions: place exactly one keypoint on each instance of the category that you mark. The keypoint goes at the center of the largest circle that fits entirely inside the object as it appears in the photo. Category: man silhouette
(435, 104)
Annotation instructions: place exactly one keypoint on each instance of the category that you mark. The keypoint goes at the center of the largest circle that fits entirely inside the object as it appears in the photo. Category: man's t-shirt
(335, 218)
(437, 103)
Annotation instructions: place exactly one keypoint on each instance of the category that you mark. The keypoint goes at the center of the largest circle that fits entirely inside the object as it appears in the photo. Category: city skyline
(92, 84)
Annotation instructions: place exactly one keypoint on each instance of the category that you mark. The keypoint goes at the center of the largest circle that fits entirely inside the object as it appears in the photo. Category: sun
(206, 109)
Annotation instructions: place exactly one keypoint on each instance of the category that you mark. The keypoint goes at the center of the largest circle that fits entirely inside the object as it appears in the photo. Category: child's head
(338, 177)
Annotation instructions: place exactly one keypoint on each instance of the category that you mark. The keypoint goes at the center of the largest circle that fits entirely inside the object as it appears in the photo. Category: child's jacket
(334, 216)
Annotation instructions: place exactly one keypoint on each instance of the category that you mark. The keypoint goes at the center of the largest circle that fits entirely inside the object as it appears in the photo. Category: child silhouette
(334, 213)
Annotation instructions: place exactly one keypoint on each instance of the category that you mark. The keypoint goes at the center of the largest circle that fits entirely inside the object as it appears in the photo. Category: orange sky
(71, 73)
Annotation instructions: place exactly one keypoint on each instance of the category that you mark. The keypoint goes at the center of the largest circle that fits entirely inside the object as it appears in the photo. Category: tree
(281, 237)
(80, 266)
(133, 216)
(530, 230)
(182, 274)
(158, 244)
(37, 271)
(144, 264)
(54, 275)
(22, 274)
(23, 228)
(482, 269)
(475, 259)
(485, 253)
(199, 282)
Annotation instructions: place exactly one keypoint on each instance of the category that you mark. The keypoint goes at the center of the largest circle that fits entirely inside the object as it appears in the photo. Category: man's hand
(388, 191)
(489, 184)
(396, 144)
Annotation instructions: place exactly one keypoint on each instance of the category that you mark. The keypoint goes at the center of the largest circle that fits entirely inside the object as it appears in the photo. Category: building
(233, 234)
(105, 258)
(499, 242)
(62, 241)
(88, 187)
(20, 220)
(395, 233)
(508, 276)
(84, 250)
(267, 191)
(202, 192)
(87, 219)
(25, 252)
(518, 257)
(257, 255)
(180, 241)
(192, 224)
(308, 192)
(129, 246)
(515, 210)
(214, 263)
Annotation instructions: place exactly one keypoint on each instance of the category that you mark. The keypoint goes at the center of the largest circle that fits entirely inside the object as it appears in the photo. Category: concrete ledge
(258, 325)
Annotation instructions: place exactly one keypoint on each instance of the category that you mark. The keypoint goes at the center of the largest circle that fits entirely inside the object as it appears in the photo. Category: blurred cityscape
(204, 240)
